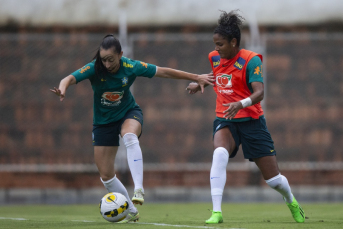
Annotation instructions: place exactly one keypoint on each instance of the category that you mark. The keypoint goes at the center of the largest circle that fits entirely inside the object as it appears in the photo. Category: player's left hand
(232, 110)
(204, 80)
(193, 88)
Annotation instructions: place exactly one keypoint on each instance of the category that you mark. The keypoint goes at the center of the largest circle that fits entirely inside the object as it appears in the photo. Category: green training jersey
(112, 95)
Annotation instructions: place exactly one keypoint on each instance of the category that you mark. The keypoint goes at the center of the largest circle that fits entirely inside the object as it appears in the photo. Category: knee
(220, 157)
(130, 139)
(221, 151)
(275, 182)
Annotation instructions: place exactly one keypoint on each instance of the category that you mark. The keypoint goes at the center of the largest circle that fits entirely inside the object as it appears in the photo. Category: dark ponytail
(229, 25)
(109, 41)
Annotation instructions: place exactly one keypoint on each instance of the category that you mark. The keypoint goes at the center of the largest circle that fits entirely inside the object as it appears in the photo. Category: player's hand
(204, 80)
(59, 92)
(232, 110)
(193, 88)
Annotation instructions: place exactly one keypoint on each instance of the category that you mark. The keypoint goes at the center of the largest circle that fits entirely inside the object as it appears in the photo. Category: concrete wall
(163, 12)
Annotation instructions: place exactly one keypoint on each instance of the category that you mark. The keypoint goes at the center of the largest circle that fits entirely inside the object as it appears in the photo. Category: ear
(233, 42)
(120, 54)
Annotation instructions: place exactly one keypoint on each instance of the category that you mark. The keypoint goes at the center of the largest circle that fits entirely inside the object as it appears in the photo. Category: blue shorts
(253, 135)
(108, 134)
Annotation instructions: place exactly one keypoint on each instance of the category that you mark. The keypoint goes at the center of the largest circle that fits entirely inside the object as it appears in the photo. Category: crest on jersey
(224, 80)
(224, 84)
(111, 98)
(124, 81)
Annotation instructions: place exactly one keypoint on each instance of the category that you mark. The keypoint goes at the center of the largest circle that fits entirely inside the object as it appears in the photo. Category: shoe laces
(138, 192)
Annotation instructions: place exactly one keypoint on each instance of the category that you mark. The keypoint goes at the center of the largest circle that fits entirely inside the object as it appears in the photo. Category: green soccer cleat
(296, 210)
(215, 218)
(138, 197)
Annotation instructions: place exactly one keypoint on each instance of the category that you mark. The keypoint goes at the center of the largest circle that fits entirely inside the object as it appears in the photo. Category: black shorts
(253, 135)
(108, 134)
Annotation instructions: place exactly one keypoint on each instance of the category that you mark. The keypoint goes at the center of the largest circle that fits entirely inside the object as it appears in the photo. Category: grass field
(189, 215)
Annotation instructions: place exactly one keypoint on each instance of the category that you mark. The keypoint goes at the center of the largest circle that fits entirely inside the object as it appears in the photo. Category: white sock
(280, 184)
(218, 176)
(134, 159)
(114, 185)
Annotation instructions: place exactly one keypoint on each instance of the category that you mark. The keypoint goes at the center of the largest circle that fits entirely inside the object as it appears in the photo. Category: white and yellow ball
(114, 207)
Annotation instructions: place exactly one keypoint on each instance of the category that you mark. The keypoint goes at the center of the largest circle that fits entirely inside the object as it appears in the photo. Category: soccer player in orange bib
(239, 115)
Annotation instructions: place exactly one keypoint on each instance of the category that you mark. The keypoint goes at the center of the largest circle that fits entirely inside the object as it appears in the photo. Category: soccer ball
(114, 207)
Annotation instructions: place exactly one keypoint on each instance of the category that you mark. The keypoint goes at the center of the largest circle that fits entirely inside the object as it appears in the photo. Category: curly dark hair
(109, 41)
(229, 25)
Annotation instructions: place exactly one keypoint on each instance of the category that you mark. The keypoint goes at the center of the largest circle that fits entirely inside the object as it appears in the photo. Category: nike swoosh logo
(214, 177)
(218, 126)
(137, 160)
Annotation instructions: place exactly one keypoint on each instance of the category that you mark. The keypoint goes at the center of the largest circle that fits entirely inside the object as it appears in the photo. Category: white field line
(171, 225)
(85, 221)
(155, 224)
(13, 218)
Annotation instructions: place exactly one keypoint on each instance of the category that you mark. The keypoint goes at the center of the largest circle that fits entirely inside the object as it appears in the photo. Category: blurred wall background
(45, 145)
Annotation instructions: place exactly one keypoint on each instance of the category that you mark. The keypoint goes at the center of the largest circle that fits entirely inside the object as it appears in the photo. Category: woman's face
(110, 59)
(226, 49)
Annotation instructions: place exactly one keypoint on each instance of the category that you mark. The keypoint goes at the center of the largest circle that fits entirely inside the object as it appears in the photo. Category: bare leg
(223, 138)
(104, 157)
(274, 179)
(268, 166)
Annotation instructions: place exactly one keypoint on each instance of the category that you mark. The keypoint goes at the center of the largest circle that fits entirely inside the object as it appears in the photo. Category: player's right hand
(193, 88)
(58, 92)
(205, 80)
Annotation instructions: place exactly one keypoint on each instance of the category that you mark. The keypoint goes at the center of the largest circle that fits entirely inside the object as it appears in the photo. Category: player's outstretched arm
(202, 80)
(194, 87)
(64, 84)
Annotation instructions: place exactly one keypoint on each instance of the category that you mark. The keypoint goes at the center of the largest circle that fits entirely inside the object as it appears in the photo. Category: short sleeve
(254, 70)
(144, 69)
(86, 72)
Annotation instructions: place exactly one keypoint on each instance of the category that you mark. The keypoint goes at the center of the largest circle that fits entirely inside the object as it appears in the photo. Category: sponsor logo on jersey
(223, 82)
(144, 64)
(126, 65)
(239, 63)
(84, 68)
(225, 91)
(215, 61)
(112, 98)
(124, 81)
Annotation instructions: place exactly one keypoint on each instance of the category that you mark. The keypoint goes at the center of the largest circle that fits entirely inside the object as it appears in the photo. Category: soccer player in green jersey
(116, 112)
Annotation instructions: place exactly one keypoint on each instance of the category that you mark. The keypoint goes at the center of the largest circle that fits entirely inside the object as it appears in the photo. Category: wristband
(246, 102)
